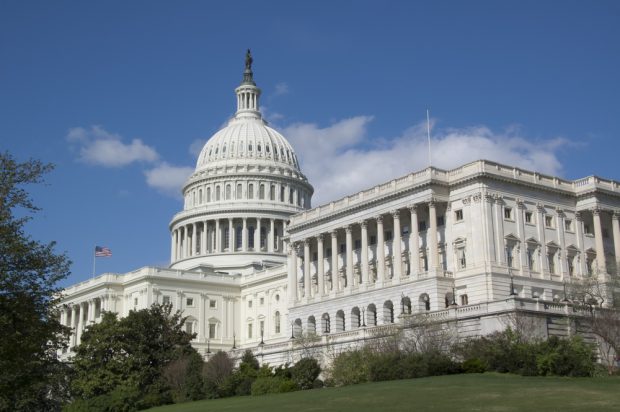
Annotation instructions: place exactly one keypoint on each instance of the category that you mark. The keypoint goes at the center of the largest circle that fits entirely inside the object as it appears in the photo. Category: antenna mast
(428, 134)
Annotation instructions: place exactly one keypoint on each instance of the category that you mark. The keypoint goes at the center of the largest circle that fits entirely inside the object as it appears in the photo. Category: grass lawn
(473, 392)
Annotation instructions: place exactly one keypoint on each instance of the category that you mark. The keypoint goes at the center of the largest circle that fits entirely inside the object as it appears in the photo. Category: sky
(120, 96)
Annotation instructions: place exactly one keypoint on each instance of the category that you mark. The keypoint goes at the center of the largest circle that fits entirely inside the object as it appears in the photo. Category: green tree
(31, 377)
(122, 357)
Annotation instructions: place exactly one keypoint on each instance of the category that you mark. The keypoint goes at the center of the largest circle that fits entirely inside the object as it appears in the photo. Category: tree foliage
(131, 355)
(30, 374)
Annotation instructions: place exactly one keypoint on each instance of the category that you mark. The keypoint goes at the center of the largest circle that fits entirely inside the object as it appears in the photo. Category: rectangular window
(458, 215)
(568, 225)
(212, 304)
(262, 301)
(508, 213)
(262, 327)
(388, 235)
(249, 331)
(586, 229)
(422, 226)
(135, 301)
(440, 221)
(189, 302)
(528, 217)
(343, 247)
(249, 303)
(212, 330)
(315, 256)
(530, 259)
(328, 252)
(549, 221)
(358, 243)
(189, 327)
(464, 300)
(166, 300)
(405, 231)
(373, 240)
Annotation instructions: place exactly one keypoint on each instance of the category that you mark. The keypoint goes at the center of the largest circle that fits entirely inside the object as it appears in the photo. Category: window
(249, 331)
(251, 237)
(208, 194)
(458, 215)
(530, 259)
(358, 243)
(508, 213)
(249, 303)
(189, 302)
(200, 196)
(262, 327)
(228, 192)
(189, 327)
(226, 238)
(251, 191)
(212, 304)
(135, 301)
(528, 217)
(239, 193)
(277, 322)
(212, 329)
(587, 229)
(328, 252)
(262, 301)
(551, 261)
(440, 221)
(272, 192)
(263, 237)
(388, 235)
(281, 194)
(571, 267)
(217, 193)
(422, 225)
(238, 237)
(373, 240)
(166, 300)
(464, 300)
(549, 221)
(462, 258)
(606, 233)
(568, 225)
(277, 298)
(343, 247)
(315, 256)
(261, 192)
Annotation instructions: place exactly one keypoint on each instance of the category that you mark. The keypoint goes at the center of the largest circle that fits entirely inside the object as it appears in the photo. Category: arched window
(238, 237)
(224, 149)
(267, 149)
(263, 237)
(251, 237)
(208, 194)
(290, 196)
(272, 192)
(355, 318)
(200, 196)
(217, 193)
(311, 326)
(261, 191)
(226, 238)
(371, 315)
(340, 321)
(406, 305)
(258, 148)
(424, 303)
(325, 324)
(194, 198)
(239, 193)
(251, 191)
(250, 147)
(276, 322)
(281, 194)
(228, 192)
(297, 330)
(388, 312)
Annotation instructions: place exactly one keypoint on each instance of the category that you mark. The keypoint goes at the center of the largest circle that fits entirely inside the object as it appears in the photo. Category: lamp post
(208, 346)
(565, 300)
(292, 330)
(234, 341)
(262, 332)
(363, 317)
(453, 303)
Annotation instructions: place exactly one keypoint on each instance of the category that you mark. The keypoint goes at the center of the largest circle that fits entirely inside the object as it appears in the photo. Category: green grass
(474, 392)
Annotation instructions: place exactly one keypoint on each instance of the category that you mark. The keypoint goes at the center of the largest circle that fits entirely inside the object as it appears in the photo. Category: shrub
(474, 365)
(438, 363)
(566, 357)
(413, 365)
(215, 373)
(272, 384)
(385, 367)
(305, 372)
(350, 368)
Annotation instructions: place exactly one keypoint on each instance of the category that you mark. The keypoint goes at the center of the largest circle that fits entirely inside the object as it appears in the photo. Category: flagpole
(94, 259)
(428, 134)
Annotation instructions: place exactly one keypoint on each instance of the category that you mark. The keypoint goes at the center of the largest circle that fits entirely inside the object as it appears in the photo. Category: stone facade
(253, 266)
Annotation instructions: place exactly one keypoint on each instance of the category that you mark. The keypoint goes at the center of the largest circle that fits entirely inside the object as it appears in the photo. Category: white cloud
(168, 179)
(341, 159)
(102, 148)
(281, 89)
(196, 147)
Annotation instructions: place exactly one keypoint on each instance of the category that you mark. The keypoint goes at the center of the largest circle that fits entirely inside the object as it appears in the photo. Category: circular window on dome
(250, 147)
(258, 148)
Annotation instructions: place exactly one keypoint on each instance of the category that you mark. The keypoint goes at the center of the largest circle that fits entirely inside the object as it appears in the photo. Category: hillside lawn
(471, 392)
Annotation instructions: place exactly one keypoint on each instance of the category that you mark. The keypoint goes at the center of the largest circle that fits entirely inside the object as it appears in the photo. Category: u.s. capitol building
(253, 265)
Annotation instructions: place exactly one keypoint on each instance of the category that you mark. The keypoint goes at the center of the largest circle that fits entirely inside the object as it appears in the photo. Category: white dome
(247, 140)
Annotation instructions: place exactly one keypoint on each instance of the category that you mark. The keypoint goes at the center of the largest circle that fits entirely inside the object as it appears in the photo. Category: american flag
(102, 251)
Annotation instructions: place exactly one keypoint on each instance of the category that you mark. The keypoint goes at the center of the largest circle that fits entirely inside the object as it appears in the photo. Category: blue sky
(120, 94)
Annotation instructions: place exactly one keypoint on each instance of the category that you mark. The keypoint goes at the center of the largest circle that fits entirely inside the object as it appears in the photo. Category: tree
(31, 376)
(128, 356)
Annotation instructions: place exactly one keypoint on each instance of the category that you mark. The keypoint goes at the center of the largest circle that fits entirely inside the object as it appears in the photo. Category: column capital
(306, 242)
(348, 229)
(560, 212)
(499, 199)
(395, 214)
(413, 208)
(320, 237)
(432, 202)
(615, 215)
(477, 197)
(596, 211)
(578, 216)
(334, 233)
(541, 208)
(379, 219)
(364, 224)
(489, 197)
(520, 203)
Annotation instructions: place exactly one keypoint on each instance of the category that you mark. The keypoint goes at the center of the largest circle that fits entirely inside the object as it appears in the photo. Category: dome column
(271, 235)
(218, 236)
(257, 236)
(244, 235)
(231, 235)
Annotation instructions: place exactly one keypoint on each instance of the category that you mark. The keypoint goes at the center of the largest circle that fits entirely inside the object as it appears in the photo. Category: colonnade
(371, 260)
(78, 315)
(234, 234)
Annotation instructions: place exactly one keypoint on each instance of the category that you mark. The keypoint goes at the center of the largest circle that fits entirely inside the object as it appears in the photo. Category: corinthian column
(380, 251)
(598, 239)
(396, 249)
(335, 274)
(615, 222)
(364, 252)
(320, 265)
(432, 238)
(349, 256)
(307, 277)
(414, 242)
(292, 273)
